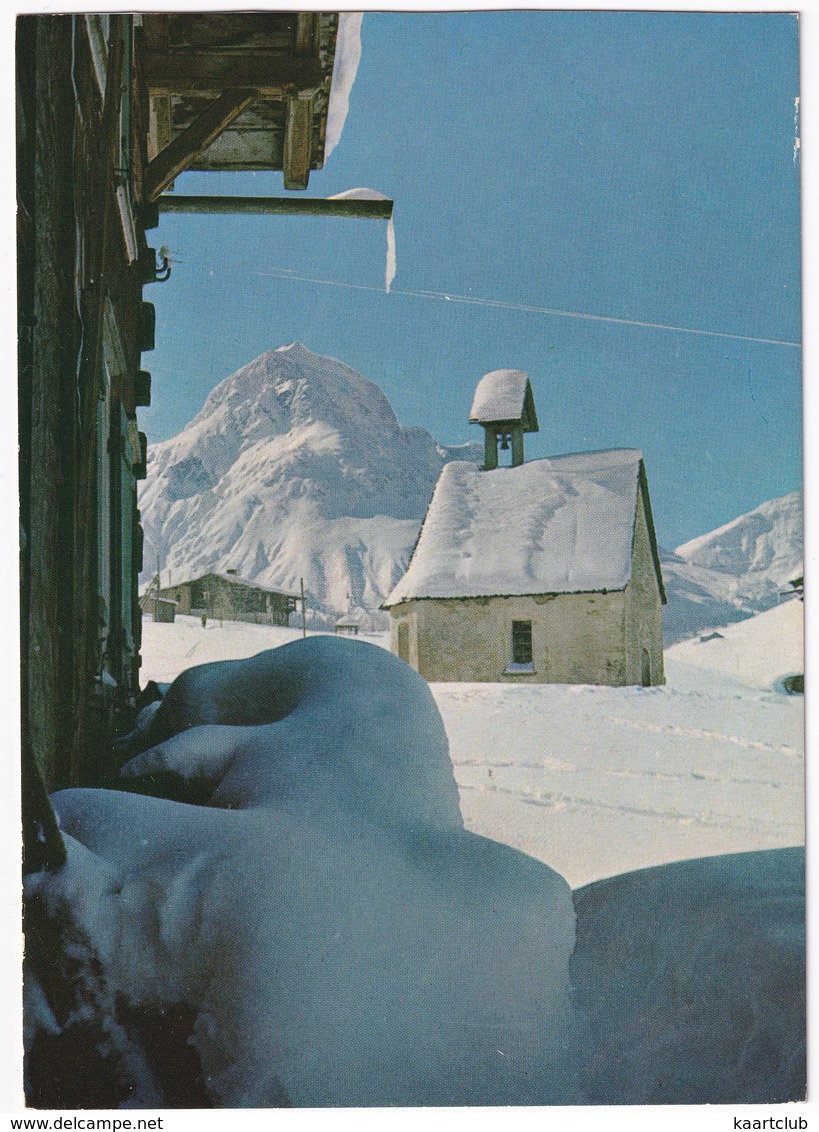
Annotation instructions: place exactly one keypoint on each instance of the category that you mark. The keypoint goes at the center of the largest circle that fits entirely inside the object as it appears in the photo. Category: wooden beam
(43, 845)
(298, 127)
(271, 74)
(159, 123)
(298, 140)
(184, 149)
(277, 206)
(307, 26)
(156, 31)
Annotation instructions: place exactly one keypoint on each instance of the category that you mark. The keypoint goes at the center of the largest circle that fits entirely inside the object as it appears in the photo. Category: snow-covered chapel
(541, 572)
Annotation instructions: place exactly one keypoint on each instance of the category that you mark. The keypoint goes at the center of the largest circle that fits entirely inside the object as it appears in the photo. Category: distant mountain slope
(762, 549)
(296, 467)
(698, 599)
(735, 571)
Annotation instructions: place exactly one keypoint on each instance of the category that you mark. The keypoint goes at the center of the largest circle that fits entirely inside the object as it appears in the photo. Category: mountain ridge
(741, 568)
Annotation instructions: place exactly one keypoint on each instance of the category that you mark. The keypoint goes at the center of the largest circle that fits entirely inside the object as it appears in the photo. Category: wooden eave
(238, 91)
(652, 534)
(529, 414)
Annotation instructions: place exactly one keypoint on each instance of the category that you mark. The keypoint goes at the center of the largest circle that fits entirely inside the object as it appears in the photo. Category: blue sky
(638, 166)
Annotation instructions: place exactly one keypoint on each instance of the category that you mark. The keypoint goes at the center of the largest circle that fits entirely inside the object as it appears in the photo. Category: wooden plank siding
(179, 154)
(82, 309)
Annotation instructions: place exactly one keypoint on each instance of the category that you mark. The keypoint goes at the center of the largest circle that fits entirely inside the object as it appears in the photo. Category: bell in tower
(505, 408)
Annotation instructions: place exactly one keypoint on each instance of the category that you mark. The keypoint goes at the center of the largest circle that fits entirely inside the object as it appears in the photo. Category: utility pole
(303, 612)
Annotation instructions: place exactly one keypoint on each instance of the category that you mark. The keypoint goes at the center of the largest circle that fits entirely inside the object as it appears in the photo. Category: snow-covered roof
(502, 396)
(152, 595)
(560, 525)
(225, 576)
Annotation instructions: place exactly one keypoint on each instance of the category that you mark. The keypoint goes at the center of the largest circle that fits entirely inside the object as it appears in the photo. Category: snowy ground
(758, 652)
(598, 781)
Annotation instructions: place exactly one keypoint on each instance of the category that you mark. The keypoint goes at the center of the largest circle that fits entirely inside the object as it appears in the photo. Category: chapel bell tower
(505, 408)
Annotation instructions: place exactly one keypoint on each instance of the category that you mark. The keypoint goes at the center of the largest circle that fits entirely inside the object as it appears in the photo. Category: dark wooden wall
(79, 658)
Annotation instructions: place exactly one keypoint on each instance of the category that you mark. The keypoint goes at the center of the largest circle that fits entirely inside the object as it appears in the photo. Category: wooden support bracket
(184, 149)
(159, 123)
(298, 140)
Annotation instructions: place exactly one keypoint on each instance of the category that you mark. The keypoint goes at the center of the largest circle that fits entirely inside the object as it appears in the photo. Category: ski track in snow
(697, 733)
(593, 781)
(568, 801)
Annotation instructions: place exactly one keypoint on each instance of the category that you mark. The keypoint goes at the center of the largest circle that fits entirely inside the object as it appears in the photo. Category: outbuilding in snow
(162, 609)
(231, 598)
(545, 572)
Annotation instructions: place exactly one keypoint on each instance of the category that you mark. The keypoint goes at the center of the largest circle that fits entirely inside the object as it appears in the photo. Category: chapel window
(522, 642)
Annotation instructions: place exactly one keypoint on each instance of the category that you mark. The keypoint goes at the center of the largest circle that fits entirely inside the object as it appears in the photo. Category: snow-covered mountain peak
(275, 474)
(292, 386)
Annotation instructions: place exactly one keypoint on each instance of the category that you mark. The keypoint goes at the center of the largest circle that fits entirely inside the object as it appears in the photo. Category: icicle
(391, 265)
(373, 194)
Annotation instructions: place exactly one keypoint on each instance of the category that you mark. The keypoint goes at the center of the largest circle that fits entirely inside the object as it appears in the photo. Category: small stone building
(228, 597)
(544, 572)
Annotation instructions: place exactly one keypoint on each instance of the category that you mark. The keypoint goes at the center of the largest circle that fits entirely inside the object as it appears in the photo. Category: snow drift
(690, 981)
(285, 908)
(759, 651)
(291, 913)
(316, 915)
